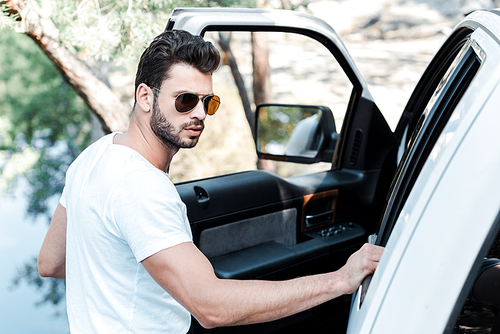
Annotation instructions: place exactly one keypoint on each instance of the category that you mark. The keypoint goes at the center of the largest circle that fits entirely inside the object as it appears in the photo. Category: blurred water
(20, 240)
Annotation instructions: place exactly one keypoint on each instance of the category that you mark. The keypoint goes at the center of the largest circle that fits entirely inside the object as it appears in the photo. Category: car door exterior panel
(479, 207)
(451, 209)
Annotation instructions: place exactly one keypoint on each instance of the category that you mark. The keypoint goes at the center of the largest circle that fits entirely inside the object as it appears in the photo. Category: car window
(421, 146)
(301, 71)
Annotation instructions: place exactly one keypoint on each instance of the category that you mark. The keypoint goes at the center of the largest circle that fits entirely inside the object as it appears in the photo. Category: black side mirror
(295, 133)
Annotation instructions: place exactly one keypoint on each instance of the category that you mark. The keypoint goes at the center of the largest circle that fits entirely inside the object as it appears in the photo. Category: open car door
(258, 225)
(442, 211)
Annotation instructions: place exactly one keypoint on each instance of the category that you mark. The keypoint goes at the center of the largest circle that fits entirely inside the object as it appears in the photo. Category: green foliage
(33, 95)
(39, 113)
(6, 20)
(46, 105)
(118, 30)
(44, 125)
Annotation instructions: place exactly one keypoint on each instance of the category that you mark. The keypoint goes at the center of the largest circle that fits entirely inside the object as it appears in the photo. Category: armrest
(263, 259)
(259, 260)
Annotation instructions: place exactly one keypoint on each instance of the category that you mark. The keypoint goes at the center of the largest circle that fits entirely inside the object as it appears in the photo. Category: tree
(44, 125)
(68, 57)
(104, 30)
(83, 40)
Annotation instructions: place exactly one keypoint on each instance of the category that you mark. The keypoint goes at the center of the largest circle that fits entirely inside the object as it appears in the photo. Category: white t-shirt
(120, 210)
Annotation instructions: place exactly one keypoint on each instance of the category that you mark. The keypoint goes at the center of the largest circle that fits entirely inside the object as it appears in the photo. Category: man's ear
(144, 97)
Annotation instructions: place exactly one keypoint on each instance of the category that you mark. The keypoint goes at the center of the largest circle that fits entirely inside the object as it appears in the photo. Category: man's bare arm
(52, 257)
(185, 273)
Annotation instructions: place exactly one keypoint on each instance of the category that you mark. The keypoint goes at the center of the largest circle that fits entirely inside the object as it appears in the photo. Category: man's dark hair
(174, 47)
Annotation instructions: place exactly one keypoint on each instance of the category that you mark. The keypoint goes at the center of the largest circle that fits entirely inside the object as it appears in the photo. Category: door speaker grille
(356, 145)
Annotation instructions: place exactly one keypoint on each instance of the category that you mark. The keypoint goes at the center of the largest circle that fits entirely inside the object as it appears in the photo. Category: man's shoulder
(93, 149)
(112, 166)
(89, 155)
(133, 172)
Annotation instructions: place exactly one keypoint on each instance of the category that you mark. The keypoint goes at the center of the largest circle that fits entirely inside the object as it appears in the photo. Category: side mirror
(295, 133)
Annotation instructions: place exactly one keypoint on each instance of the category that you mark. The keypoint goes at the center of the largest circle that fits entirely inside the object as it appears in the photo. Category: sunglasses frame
(203, 99)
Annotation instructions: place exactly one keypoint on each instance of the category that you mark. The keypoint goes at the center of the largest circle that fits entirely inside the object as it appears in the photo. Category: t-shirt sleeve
(62, 200)
(148, 212)
(68, 177)
(69, 172)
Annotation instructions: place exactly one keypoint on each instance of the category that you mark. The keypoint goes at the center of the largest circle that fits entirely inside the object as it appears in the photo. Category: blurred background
(67, 77)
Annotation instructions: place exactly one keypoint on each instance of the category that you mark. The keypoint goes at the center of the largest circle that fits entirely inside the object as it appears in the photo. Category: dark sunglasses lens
(186, 102)
(211, 104)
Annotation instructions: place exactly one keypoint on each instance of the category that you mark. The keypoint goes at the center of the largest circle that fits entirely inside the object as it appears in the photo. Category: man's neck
(144, 141)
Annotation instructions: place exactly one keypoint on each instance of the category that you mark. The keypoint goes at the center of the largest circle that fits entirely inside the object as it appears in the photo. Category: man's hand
(359, 265)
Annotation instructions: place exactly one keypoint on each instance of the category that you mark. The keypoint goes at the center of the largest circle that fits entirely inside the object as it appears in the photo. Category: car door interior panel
(253, 225)
(256, 224)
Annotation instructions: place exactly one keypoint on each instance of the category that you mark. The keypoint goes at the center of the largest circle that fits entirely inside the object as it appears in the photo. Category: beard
(168, 135)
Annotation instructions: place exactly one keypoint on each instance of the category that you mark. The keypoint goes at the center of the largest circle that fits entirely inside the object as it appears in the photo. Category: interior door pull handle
(202, 197)
(319, 219)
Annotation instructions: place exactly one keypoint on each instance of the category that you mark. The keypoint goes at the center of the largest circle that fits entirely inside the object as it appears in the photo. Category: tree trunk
(261, 84)
(238, 79)
(261, 70)
(111, 112)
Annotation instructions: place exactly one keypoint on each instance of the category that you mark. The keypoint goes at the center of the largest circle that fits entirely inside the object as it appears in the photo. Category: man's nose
(198, 111)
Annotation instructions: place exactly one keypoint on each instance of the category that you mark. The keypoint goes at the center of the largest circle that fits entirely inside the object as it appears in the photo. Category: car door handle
(319, 219)
(202, 197)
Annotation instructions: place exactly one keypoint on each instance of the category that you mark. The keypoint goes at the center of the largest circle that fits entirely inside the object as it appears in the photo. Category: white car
(427, 190)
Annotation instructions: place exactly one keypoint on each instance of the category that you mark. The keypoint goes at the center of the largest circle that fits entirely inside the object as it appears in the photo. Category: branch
(113, 114)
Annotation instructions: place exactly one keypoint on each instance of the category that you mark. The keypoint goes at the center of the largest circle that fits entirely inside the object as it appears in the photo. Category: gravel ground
(391, 42)
(392, 68)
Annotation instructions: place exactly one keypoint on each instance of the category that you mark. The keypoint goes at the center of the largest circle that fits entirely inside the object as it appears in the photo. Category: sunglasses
(185, 102)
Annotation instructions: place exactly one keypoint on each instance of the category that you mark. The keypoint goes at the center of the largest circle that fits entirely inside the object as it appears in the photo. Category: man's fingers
(371, 255)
